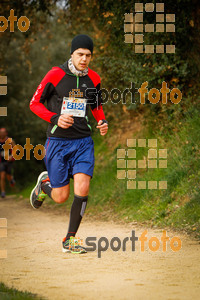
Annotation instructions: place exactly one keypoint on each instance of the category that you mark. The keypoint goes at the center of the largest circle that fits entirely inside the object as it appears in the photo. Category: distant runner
(5, 165)
(69, 146)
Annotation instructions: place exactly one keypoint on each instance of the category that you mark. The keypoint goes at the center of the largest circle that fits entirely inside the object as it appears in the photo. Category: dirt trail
(35, 261)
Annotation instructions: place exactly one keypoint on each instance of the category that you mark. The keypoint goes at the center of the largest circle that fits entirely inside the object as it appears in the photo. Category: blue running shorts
(66, 157)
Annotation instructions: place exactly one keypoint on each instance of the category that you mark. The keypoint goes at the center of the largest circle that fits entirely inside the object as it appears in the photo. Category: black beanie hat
(82, 41)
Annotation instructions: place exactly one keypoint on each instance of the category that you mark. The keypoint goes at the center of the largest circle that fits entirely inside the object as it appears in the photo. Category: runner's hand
(65, 121)
(103, 128)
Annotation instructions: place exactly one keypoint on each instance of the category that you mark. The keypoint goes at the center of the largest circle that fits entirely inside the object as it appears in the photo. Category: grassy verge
(13, 294)
(179, 205)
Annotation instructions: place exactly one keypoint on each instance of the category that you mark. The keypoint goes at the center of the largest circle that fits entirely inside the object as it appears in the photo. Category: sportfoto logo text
(153, 244)
(23, 23)
(18, 151)
(153, 95)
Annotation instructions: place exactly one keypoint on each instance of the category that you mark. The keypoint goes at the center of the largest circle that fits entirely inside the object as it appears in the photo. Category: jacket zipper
(77, 86)
(77, 82)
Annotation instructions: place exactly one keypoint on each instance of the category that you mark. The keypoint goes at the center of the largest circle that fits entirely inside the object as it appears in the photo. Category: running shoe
(3, 194)
(73, 245)
(37, 195)
(12, 182)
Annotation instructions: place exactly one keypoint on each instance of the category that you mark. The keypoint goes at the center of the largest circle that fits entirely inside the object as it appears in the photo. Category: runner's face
(81, 58)
(3, 133)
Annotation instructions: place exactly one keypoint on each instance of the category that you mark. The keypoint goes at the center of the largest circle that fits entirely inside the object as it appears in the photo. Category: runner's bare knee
(82, 188)
(60, 196)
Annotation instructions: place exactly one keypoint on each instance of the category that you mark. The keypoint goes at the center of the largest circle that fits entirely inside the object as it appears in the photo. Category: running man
(69, 146)
(5, 165)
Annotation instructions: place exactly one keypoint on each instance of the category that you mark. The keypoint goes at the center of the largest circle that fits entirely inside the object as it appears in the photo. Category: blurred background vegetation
(27, 57)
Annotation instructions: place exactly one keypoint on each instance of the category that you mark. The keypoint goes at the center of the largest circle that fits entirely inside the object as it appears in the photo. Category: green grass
(26, 191)
(178, 205)
(13, 294)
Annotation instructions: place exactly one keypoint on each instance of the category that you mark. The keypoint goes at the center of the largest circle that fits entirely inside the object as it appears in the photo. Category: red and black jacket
(57, 83)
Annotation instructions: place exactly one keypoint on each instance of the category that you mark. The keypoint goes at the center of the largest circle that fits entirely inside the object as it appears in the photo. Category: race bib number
(74, 106)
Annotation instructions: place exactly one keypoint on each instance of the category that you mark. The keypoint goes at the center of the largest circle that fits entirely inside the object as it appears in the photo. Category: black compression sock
(76, 214)
(46, 187)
